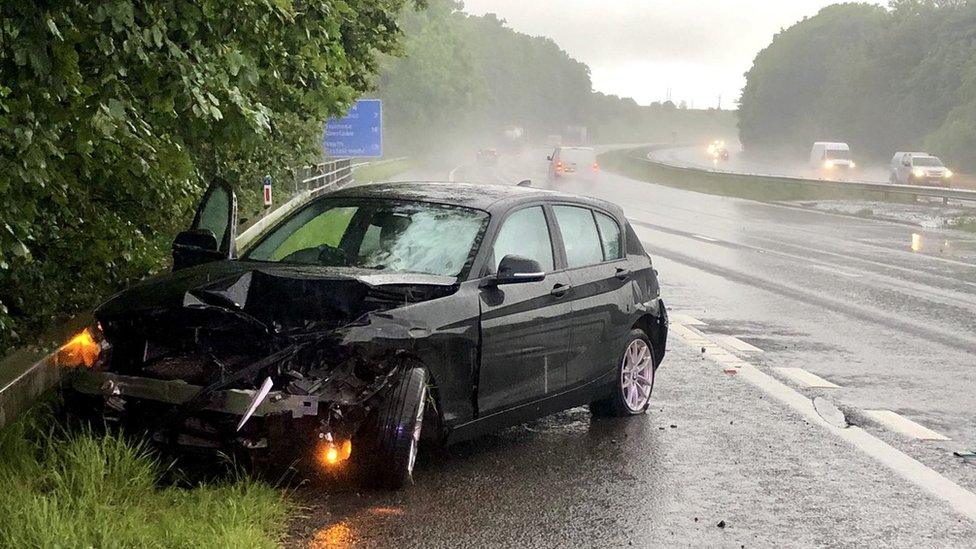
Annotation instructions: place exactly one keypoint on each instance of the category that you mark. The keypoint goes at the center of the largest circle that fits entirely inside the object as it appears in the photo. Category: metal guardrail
(946, 194)
(27, 374)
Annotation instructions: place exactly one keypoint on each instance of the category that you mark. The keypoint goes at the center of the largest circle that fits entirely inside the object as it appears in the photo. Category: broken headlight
(83, 350)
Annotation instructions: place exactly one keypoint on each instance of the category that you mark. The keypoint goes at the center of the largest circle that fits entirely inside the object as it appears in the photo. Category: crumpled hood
(275, 294)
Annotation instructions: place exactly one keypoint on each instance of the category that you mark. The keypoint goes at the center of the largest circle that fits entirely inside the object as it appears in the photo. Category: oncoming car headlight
(829, 164)
(918, 172)
(83, 350)
(947, 174)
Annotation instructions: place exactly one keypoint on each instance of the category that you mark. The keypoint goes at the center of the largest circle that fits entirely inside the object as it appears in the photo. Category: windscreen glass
(385, 235)
(927, 161)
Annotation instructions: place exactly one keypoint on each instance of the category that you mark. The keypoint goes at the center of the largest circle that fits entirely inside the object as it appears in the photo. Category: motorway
(773, 306)
(695, 157)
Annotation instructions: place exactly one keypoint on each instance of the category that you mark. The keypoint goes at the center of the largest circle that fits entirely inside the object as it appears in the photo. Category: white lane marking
(705, 238)
(833, 270)
(806, 379)
(912, 470)
(687, 320)
(734, 343)
(903, 425)
(450, 176)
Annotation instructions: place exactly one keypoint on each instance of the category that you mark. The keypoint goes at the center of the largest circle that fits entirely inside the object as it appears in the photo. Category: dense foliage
(882, 80)
(114, 115)
(463, 78)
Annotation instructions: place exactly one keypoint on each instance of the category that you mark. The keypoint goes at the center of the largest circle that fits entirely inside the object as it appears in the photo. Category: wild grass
(79, 488)
(767, 189)
(382, 172)
(964, 223)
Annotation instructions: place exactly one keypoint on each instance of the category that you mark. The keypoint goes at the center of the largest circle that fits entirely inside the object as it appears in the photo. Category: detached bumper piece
(232, 401)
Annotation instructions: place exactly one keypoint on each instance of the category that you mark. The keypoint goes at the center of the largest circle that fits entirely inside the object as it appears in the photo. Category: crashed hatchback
(376, 314)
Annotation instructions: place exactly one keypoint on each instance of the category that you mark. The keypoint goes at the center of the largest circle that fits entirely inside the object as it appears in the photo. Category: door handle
(560, 290)
(623, 274)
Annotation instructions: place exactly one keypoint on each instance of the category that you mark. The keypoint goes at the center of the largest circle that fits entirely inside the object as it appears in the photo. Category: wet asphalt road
(840, 297)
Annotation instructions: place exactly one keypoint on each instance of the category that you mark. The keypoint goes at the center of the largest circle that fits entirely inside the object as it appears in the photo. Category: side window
(580, 236)
(525, 233)
(610, 235)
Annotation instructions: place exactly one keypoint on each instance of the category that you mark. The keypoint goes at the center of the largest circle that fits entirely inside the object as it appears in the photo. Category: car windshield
(838, 154)
(386, 235)
(927, 161)
(577, 156)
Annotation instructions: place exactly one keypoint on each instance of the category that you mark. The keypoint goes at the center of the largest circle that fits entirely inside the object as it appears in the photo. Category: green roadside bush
(114, 115)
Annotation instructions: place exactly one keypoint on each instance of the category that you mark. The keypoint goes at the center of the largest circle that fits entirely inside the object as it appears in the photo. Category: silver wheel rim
(637, 375)
(415, 436)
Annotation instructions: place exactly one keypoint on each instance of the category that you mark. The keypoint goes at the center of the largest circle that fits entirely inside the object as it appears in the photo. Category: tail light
(559, 166)
(596, 167)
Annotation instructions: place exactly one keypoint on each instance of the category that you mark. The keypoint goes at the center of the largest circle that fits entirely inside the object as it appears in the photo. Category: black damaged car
(377, 314)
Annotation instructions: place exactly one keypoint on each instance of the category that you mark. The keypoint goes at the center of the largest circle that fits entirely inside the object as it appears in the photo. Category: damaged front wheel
(391, 442)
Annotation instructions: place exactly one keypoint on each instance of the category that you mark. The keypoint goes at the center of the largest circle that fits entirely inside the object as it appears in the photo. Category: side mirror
(515, 269)
(549, 158)
(194, 247)
(907, 163)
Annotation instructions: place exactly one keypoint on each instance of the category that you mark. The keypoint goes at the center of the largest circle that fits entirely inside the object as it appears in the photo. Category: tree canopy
(114, 115)
(462, 78)
(882, 80)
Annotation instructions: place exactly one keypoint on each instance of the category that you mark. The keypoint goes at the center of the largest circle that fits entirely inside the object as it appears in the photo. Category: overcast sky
(640, 48)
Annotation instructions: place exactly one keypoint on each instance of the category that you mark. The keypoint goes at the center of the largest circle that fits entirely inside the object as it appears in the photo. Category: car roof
(832, 144)
(481, 196)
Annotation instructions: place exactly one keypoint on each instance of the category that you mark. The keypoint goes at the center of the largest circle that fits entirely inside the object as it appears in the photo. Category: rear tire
(390, 443)
(634, 381)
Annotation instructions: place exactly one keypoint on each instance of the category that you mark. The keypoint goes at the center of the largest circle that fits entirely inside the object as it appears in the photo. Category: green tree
(114, 115)
(784, 100)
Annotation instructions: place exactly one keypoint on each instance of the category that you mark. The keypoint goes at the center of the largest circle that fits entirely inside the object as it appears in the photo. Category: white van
(828, 157)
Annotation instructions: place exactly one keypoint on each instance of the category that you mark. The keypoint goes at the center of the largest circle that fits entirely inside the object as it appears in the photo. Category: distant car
(376, 314)
(488, 157)
(573, 162)
(718, 151)
(829, 158)
(918, 168)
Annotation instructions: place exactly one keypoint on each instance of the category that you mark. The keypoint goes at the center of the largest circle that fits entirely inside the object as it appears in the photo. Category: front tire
(392, 440)
(634, 382)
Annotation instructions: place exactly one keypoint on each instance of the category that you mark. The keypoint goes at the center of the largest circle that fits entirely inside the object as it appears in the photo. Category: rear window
(837, 154)
(578, 156)
(610, 236)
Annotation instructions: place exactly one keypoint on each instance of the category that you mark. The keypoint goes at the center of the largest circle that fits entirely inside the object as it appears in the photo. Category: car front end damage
(280, 366)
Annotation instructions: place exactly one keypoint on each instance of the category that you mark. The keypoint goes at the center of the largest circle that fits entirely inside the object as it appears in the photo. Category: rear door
(602, 300)
(525, 328)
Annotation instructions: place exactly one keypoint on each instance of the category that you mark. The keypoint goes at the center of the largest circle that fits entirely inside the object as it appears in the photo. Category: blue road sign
(358, 134)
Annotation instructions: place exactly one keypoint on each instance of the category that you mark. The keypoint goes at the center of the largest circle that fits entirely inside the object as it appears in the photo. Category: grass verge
(382, 172)
(734, 185)
(76, 488)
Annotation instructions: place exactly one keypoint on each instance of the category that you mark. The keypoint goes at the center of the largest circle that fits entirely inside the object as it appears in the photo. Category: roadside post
(267, 191)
